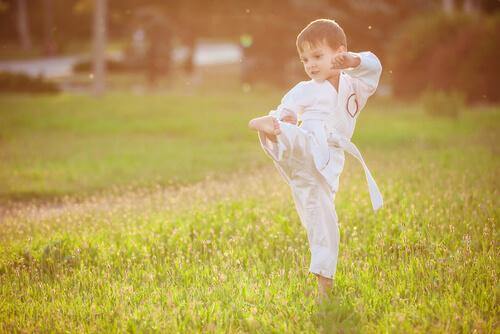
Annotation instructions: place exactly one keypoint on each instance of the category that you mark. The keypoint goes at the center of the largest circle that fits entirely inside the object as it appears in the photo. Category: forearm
(366, 65)
(368, 69)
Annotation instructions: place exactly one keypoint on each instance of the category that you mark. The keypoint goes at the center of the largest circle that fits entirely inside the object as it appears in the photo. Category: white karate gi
(310, 157)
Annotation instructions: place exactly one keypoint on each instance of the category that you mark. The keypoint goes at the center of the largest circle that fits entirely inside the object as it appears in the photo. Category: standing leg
(315, 204)
(324, 286)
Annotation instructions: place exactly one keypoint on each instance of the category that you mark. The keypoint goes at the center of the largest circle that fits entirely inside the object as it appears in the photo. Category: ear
(341, 48)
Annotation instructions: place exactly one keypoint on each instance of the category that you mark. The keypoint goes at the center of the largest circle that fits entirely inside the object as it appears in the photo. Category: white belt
(345, 144)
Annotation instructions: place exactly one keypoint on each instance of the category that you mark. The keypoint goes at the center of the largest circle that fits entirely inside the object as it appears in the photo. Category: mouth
(314, 72)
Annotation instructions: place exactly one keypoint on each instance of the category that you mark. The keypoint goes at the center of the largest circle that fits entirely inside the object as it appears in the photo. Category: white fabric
(313, 197)
(324, 113)
(310, 157)
(347, 145)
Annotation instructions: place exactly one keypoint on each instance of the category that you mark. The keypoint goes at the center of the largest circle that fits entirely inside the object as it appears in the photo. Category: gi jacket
(330, 117)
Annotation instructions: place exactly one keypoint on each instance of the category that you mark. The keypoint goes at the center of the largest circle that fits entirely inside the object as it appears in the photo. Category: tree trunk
(470, 6)
(448, 6)
(49, 45)
(23, 25)
(99, 64)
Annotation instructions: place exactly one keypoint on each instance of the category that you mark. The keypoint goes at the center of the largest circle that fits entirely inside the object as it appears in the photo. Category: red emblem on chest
(352, 105)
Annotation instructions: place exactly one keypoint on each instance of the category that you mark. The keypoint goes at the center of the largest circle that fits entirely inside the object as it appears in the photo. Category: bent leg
(291, 141)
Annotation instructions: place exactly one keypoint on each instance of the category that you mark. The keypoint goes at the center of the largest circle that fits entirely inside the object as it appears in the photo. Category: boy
(310, 157)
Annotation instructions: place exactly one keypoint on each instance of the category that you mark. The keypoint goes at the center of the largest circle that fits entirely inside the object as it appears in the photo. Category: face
(317, 60)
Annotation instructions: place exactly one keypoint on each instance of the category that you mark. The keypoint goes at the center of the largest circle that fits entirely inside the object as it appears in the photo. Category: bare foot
(267, 124)
(324, 287)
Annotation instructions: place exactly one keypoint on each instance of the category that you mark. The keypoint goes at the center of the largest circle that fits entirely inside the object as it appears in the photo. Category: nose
(311, 65)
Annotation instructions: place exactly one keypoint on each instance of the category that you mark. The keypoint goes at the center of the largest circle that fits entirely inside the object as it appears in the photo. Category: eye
(317, 56)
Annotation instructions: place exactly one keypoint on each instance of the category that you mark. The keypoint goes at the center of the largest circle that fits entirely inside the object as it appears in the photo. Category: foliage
(273, 24)
(18, 82)
(448, 52)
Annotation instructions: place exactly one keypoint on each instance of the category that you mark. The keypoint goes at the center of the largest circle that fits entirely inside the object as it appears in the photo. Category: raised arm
(368, 71)
(364, 68)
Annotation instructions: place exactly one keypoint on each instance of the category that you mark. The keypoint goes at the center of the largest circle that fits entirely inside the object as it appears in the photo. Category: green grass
(120, 229)
(65, 144)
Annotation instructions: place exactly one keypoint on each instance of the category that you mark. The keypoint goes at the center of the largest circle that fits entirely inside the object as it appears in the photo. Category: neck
(334, 79)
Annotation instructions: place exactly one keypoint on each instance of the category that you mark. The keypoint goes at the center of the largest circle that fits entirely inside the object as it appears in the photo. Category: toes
(277, 129)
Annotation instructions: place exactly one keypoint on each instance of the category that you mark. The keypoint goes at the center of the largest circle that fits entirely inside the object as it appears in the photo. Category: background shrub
(17, 82)
(115, 66)
(448, 53)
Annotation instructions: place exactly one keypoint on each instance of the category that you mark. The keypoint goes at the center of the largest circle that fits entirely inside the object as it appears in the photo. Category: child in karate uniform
(310, 156)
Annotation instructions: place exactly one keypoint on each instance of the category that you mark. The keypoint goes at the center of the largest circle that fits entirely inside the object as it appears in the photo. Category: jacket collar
(343, 89)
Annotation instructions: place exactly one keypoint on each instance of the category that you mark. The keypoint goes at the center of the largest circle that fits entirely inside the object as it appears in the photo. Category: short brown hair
(322, 30)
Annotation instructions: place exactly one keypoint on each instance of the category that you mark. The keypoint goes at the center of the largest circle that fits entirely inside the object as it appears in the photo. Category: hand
(289, 119)
(344, 60)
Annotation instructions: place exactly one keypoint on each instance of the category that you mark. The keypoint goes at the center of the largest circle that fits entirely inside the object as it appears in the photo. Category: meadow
(159, 212)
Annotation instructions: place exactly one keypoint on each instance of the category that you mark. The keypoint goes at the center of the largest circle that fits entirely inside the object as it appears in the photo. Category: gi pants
(313, 196)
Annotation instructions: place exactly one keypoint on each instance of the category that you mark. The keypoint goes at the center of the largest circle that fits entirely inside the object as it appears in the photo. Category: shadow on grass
(336, 315)
(30, 197)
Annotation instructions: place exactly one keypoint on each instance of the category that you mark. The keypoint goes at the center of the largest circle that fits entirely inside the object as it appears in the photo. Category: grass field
(161, 213)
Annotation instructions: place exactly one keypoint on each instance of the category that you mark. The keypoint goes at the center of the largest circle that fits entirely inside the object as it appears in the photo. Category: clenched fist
(289, 117)
(345, 60)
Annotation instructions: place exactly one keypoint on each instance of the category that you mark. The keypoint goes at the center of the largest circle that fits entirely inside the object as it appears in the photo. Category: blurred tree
(470, 6)
(49, 44)
(60, 21)
(159, 37)
(221, 18)
(448, 6)
(271, 25)
(190, 41)
(99, 46)
(446, 52)
(23, 25)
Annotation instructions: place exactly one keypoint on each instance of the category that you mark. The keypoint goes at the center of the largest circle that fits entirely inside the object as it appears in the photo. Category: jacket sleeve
(293, 103)
(366, 76)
